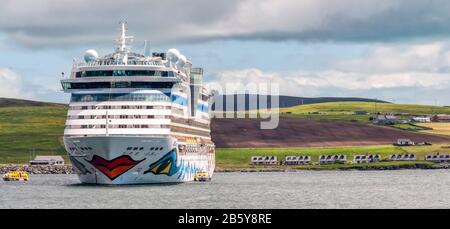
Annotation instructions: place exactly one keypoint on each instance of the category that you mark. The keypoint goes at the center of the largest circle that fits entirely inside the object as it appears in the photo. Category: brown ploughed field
(246, 133)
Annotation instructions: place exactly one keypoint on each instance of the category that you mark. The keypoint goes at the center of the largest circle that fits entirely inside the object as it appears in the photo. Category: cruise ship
(136, 118)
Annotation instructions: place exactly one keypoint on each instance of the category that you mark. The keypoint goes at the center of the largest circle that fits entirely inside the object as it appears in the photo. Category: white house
(403, 157)
(438, 158)
(264, 160)
(421, 119)
(366, 158)
(332, 159)
(405, 142)
(47, 160)
(297, 160)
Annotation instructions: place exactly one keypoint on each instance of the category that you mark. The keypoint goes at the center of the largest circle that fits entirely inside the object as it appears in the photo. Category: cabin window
(95, 85)
(109, 73)
(120, 97)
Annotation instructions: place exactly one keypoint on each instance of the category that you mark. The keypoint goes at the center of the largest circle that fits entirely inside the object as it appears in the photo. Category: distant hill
(29, 128)
(8, 102)
(284, 101)
(350, 107)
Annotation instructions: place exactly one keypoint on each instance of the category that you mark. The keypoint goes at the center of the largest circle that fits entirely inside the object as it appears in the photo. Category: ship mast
(122, 43)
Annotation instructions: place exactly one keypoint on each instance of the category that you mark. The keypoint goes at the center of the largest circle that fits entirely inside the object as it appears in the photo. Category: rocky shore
(68, 169)
(399, 167)
(364, 168)
(38, 169)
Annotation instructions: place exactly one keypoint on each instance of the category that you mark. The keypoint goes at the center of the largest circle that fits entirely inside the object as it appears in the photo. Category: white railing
(118, 63)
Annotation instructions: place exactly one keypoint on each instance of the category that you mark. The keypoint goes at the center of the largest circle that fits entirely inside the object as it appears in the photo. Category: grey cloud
(58, 23)
(389, 72)
(403, 95)
(428, 88)
(55, 22)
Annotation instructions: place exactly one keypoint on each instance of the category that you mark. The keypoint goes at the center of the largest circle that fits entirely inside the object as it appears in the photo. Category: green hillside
(345, 110)
(350, 107)
(232, 158)
(31, 130)
(26, 131)
(10, 102)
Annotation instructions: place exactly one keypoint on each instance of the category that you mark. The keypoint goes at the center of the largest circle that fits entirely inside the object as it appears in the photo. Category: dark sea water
(305, 189)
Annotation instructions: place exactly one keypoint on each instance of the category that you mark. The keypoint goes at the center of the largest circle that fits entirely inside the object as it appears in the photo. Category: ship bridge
(125, 69)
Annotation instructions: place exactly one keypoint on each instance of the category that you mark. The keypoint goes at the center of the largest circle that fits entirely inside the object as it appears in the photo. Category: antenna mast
(122, 43)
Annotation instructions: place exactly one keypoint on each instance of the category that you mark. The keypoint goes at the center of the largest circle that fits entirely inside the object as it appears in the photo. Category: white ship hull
(134, 160)
(137, 119)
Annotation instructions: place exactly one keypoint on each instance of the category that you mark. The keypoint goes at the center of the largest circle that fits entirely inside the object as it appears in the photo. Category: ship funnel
(195, 86)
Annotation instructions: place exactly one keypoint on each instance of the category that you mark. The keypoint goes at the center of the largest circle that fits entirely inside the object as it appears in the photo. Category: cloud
(301, 83)
(57, 23)
(405, 73)
(426, 57)
(11, 84)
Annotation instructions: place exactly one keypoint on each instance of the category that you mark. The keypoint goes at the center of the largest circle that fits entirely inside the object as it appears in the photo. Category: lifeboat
(16, 176)
(202, 176)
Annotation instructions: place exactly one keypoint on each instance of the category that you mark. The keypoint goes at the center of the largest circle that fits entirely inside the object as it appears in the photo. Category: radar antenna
(146, 48)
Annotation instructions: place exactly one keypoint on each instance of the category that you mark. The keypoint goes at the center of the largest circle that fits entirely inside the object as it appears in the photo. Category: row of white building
(342, 159)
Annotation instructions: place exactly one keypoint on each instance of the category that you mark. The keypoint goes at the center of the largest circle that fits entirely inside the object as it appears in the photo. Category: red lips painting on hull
(115, 167)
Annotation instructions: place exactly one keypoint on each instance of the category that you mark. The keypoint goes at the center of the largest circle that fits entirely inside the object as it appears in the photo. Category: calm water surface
(305, 189)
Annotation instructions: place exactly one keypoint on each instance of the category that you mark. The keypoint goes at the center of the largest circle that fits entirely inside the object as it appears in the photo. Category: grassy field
(350, 107)
(437, 128)
(344, 111)
(37, 130)
(31, 130)
(240, 158)
(410, 127)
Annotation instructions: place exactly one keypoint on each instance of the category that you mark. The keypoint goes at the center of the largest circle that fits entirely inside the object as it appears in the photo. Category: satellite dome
(181, 60)
(173, 55)
(90, 56)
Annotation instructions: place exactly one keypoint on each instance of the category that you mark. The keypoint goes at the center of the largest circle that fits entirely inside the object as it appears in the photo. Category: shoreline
(345, 167)
(68, 169)
(38, 169)
(440, 167)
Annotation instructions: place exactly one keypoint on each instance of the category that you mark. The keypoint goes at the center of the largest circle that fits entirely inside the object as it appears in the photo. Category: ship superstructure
(136, 118)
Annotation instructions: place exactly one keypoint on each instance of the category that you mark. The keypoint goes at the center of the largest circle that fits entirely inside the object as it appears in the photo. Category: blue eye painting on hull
(166, 165)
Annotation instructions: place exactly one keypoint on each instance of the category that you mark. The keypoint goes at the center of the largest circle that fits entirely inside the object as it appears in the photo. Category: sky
(394, 50)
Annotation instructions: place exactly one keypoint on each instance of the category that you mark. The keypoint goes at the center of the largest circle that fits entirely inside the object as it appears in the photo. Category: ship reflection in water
(305, 189)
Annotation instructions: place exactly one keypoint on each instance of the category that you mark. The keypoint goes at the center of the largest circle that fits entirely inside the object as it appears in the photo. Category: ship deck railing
(117, 63)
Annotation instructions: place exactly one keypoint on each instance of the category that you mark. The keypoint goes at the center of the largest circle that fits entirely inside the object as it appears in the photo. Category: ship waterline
(137, 119)
(134, 160)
